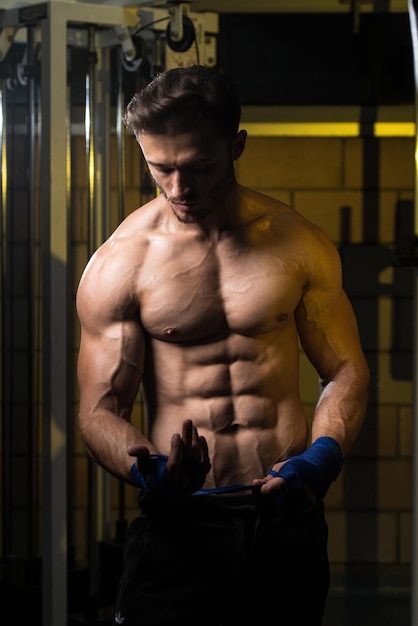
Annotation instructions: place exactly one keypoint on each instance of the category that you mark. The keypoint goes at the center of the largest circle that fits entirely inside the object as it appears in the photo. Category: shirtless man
(200, 297)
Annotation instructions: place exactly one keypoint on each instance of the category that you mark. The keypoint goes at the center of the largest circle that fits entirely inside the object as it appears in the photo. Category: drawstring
(226, 489)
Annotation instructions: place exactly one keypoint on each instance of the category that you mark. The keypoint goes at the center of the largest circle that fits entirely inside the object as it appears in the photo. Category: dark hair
(182, 98)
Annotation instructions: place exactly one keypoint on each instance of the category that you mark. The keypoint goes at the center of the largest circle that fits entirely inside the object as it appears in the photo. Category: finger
(176, 449)
(176, 454)
(142, 455)
(277, 466)
(187, 433)
(204, 450)
(191, 444)
(258, 481)
(271, 485)
(138, 450)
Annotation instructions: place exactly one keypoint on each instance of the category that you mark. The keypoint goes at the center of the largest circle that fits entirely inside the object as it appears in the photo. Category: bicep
(111, 353)
(326, 322)
(110, 366)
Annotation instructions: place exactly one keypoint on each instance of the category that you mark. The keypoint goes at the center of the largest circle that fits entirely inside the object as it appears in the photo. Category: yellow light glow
(302, 129)
(394, 129)
(327, 129)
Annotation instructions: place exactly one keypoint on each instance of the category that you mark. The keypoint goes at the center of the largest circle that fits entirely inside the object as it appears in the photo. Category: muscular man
(201, 298)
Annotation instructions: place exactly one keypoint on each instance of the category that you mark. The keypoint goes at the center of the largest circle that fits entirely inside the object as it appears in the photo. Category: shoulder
(294, 240)
(283, 222)
(111, 273)
(128, 243)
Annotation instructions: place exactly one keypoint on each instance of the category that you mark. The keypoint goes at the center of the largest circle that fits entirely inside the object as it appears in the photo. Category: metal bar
(414, 583)
(31, 265)
(54, 363)
(102, 132)
(413, 18)
(6, 424)
(121, 524)
(120, 140)
(90, 139)
(92, 479)
(70, 334)
(103, 89)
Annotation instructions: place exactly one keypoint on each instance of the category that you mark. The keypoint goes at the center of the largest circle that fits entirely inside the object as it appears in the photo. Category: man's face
(193, 170)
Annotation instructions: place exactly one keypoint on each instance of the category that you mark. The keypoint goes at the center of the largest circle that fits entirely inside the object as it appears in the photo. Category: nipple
(170, 330)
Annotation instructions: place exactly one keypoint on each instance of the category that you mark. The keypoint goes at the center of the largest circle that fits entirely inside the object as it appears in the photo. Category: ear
(238, 145)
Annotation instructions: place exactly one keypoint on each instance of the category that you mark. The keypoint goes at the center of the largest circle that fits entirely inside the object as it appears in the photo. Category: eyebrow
(195, 161)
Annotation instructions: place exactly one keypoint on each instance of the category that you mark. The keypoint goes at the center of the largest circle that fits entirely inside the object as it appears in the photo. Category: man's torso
(221, 342)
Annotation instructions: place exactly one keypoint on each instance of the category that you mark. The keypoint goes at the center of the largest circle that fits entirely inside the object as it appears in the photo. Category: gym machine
(64, 67)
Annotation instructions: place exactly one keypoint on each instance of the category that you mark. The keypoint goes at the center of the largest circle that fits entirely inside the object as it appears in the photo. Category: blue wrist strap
(159, 482)
(316, 468)
(157, 477)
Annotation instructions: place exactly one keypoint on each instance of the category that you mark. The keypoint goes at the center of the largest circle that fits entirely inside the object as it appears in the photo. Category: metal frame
(413, 18)
(54, 261)
(56, 24)
(55, 235)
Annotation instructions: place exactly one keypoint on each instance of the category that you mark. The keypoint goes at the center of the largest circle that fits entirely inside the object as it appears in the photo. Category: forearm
(107, 438)
(341, 408)
(338, 418)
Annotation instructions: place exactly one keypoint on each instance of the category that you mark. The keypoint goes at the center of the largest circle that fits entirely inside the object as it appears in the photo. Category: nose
(180, 184)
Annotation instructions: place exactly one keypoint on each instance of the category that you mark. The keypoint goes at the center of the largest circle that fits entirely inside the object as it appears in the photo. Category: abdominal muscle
(240, 395)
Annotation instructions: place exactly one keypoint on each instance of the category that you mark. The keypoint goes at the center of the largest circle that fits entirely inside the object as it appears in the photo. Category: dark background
(318, 58)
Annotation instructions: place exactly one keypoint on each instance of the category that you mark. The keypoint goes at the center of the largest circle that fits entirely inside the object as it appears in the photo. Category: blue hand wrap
(159, 482)
(316, 468)
(157, 477)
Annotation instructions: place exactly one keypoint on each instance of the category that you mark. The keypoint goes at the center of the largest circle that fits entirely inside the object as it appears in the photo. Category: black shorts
(223, 561)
